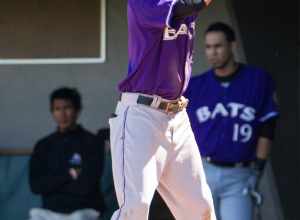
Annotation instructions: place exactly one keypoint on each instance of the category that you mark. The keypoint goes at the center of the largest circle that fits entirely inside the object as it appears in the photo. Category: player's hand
(74, 173)
(252, 182)
(254, 179)
(207, 2)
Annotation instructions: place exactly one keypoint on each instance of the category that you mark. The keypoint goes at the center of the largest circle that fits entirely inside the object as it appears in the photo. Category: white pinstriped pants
(152, 150)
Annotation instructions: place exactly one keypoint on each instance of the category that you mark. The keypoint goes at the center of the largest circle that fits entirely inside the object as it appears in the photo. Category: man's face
(218, 50)
(64, 113)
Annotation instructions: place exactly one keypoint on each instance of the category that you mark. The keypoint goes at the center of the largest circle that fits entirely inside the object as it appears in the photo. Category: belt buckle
(175, 107)
(170, 108)
(182, 103)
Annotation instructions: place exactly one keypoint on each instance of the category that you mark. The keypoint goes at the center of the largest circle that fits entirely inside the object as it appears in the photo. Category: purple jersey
(225, 117)
(160, 49)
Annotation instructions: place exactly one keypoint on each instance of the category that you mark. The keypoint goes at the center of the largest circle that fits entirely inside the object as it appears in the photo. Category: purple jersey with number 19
(225, 117)
(160, 49)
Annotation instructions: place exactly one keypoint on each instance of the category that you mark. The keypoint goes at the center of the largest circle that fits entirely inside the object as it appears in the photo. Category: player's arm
(269, 114)
(184, 8)
(264, 143)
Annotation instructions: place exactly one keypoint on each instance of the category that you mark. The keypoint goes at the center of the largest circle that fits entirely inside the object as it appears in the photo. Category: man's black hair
(66, 93)
(224, 28)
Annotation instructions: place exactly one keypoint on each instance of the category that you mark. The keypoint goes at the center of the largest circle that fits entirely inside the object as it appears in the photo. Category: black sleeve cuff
(267, 129)
(182, 9)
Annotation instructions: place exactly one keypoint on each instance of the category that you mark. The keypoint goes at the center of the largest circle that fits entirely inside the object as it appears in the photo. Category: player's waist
(164, 83)
(156, 102)
(229, 164)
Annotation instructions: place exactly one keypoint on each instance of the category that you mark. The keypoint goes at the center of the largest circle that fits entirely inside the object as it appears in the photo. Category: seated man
(66, 166)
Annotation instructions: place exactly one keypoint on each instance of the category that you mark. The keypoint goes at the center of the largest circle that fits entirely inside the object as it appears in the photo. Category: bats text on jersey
(232, 110)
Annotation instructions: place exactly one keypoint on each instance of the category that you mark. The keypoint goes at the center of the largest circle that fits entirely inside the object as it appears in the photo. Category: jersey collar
(228, 79)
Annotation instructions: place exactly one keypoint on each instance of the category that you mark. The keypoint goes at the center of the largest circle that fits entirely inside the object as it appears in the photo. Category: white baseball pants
(153, 150)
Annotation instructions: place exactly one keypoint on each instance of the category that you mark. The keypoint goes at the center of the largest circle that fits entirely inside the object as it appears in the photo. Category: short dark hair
(224, 28)
(66, 93)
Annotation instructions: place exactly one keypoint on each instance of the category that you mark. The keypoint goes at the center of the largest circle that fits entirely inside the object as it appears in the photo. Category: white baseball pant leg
(150, 150)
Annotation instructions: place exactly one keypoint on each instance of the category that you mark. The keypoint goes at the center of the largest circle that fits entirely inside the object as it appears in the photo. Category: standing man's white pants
(152, 150)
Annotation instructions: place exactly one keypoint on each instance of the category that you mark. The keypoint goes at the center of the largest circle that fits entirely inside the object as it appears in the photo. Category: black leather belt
(166, 106)
(229, 164)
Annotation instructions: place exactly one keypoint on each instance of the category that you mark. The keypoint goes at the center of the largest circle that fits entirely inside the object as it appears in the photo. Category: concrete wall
(24, 89)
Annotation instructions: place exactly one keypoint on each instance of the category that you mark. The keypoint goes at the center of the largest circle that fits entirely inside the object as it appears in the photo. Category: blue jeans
(228, 190)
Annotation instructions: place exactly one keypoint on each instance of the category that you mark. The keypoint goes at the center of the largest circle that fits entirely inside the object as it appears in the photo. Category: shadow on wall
(15, 197)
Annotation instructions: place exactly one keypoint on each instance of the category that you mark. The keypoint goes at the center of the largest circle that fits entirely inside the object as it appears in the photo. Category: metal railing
(10, 151)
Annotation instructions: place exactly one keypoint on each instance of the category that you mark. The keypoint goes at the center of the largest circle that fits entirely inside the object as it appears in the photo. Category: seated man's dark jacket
(49, 171)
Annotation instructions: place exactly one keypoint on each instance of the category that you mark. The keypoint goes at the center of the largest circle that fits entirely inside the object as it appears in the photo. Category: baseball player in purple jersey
(152, 143)
(233, 112)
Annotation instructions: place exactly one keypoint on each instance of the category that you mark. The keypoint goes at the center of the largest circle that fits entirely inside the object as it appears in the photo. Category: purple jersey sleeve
(153, 13)
(269, 105)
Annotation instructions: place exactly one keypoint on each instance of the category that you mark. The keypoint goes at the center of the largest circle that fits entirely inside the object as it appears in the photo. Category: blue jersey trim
(268, 116)
(123, 163)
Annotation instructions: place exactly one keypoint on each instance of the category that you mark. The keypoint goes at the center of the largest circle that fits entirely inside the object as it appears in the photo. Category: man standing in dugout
(233, 111)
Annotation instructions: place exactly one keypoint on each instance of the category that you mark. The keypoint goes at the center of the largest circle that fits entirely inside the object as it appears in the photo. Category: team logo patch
(75, 159)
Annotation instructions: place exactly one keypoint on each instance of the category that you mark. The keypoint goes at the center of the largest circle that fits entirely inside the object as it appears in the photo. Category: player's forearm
(184, 8)
(263, 148)
(262, 152)
(266, 136)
